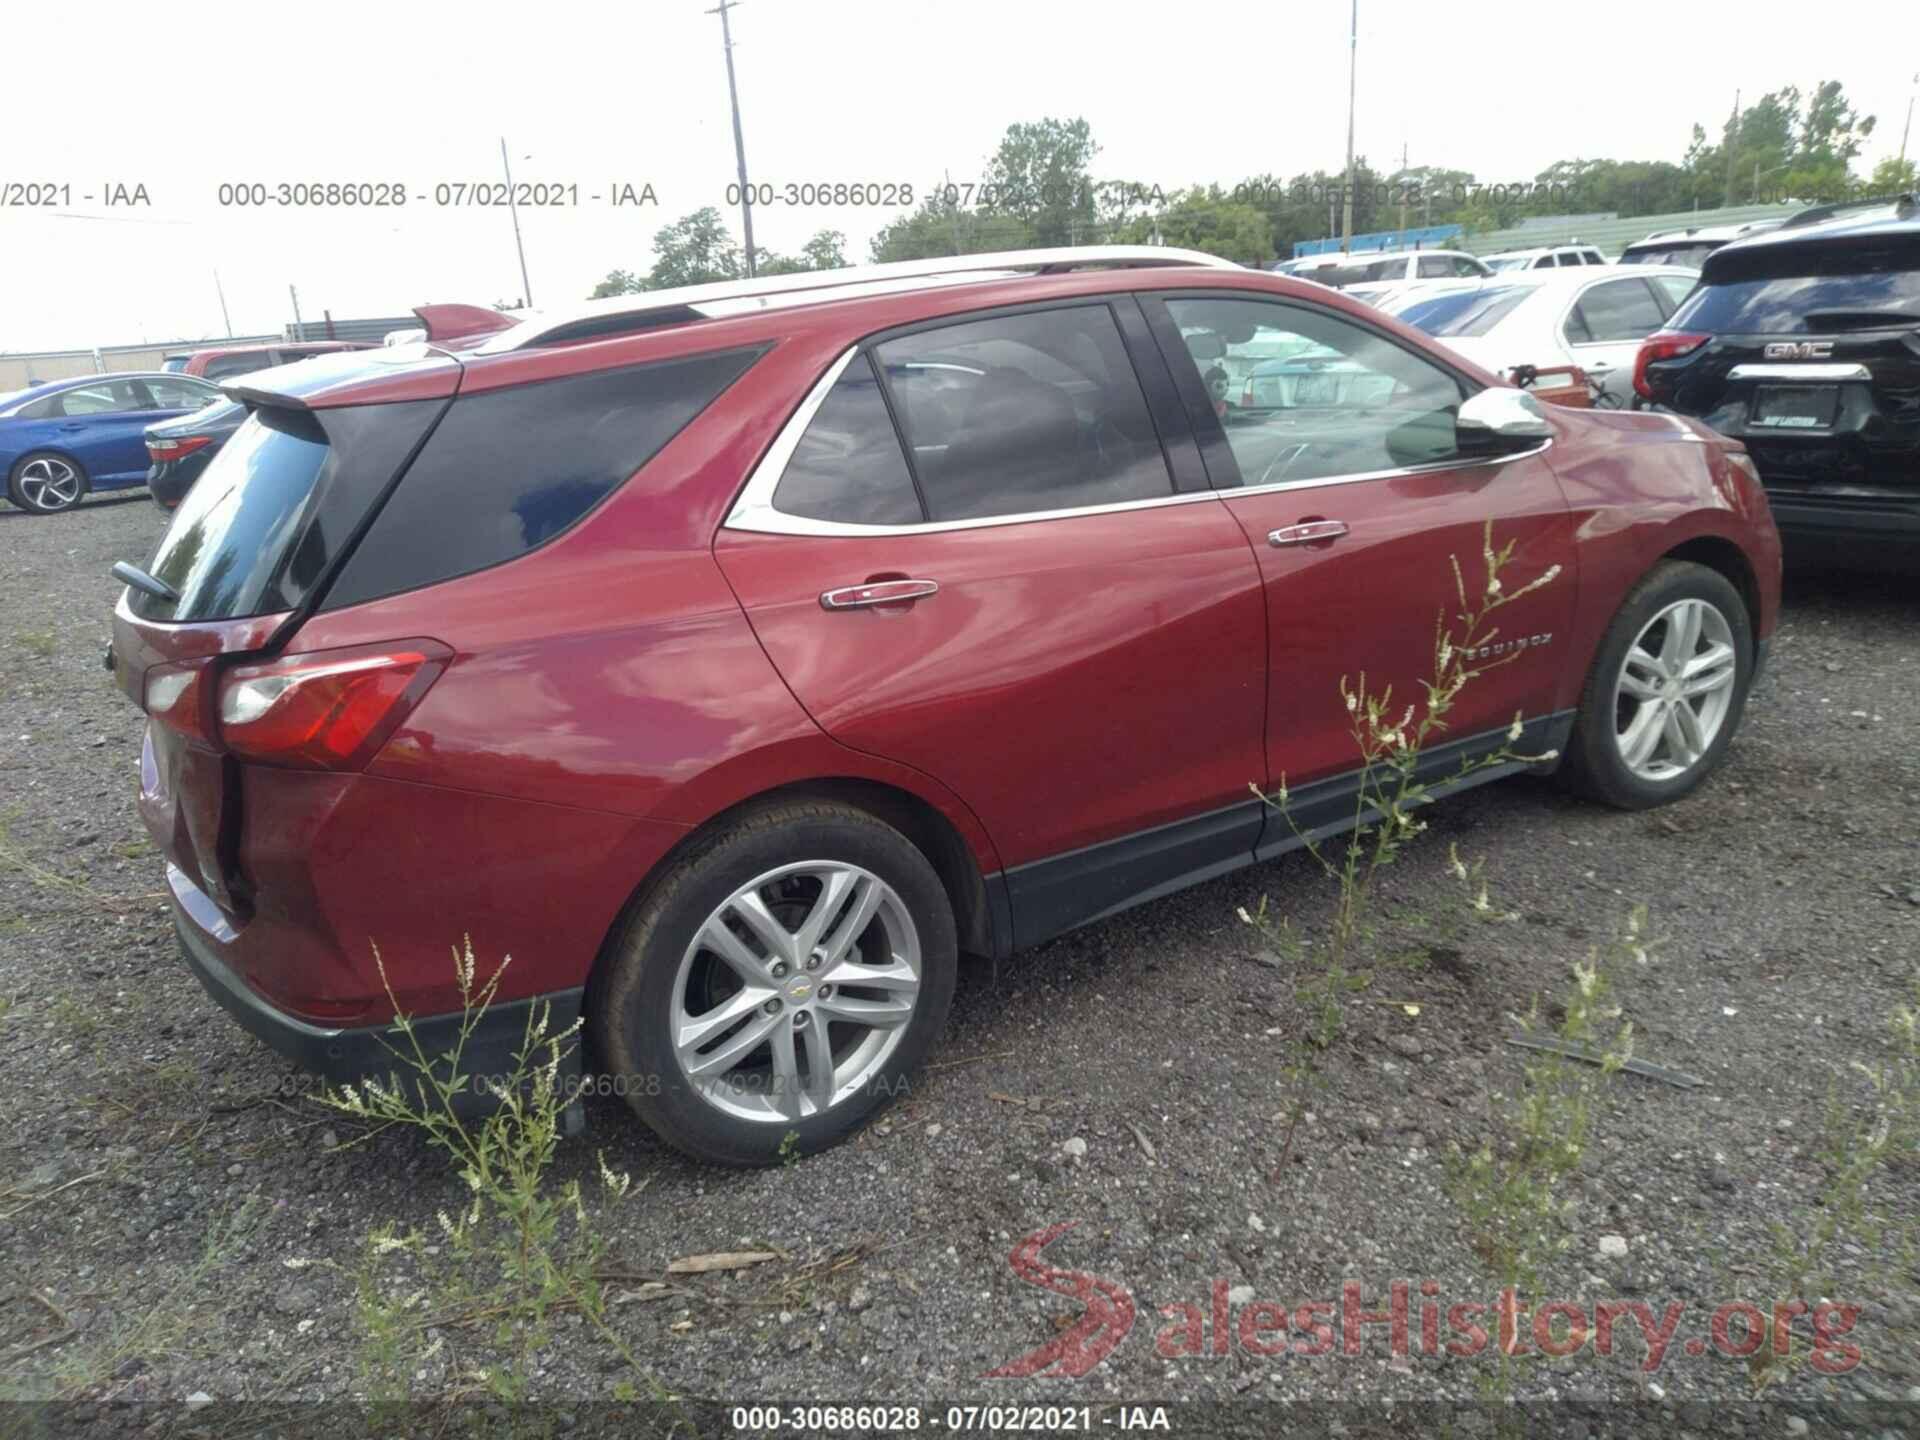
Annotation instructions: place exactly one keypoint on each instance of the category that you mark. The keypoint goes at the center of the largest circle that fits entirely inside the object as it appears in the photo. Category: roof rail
(623, 314)
(1830, 212)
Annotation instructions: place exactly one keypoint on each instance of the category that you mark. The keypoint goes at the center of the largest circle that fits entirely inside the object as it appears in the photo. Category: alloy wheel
(48, 483)
(1674, 690)
(795, 991)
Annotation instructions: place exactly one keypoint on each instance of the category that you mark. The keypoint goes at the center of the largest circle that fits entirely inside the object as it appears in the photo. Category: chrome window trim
(754, 510)
(1800, 372)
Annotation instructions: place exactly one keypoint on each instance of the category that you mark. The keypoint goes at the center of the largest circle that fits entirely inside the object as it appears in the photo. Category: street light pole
(1353, 66)
(526, 286)
(739, 140)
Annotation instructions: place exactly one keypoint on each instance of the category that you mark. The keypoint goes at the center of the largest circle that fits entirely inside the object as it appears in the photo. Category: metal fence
(1611, 234)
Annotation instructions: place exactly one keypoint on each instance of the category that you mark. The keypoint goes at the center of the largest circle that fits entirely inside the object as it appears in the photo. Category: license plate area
(1795, 407)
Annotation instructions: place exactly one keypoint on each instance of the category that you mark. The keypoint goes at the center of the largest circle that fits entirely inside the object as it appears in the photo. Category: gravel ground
(1131, 1078)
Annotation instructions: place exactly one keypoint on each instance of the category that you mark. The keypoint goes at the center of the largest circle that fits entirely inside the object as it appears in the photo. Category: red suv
(737, 657)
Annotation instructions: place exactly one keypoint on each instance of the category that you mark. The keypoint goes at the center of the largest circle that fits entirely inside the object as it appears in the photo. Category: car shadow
(104, 502)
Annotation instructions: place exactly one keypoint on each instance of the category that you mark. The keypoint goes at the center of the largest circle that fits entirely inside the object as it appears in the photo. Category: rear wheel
(778, 985)
(45, 483)
(1667, 689)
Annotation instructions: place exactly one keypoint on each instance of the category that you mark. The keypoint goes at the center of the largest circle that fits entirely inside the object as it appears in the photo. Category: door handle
(1307, 532)
(878, 592)
(1601, 368)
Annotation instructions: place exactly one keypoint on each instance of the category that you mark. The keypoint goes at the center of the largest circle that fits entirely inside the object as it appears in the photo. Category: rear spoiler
(442, 323)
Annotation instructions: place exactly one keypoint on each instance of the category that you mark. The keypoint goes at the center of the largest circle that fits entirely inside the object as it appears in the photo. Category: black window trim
(753, 508)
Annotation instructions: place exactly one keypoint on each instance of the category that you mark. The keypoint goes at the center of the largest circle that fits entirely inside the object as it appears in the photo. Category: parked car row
(67, 439)
(738, 640)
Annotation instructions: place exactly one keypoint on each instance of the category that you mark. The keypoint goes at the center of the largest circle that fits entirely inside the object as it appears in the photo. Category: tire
(1631, 747)
(45, 483)
(744, 1107)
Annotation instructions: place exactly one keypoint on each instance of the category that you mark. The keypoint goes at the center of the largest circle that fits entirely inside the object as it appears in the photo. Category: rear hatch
(252, 545)
(1808, 353)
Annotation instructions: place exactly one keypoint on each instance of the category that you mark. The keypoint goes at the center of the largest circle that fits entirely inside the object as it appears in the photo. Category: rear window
(507, 470)
(1815, 291)
(1467, 312)
(222, 551)
(222, 366)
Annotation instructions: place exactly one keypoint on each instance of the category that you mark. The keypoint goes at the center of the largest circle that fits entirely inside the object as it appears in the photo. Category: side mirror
(1500, 422)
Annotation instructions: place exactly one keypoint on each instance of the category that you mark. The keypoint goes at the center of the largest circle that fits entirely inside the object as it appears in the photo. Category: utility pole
(1733, 134)
(220, 290)
(1909, 125)
(1353, 66)
(526, 286)
(295, 294)
(739, 140)
(1403, 188)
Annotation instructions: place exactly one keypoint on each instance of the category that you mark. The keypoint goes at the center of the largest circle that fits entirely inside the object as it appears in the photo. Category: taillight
(1662, 345)
(177, 697)
(161, 451)
(328, 709)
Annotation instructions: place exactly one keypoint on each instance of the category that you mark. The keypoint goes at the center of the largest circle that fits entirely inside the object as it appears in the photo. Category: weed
(36, 642)
(166, 1326)
(522, 1251)
(1390, 745)
(1858, 1145)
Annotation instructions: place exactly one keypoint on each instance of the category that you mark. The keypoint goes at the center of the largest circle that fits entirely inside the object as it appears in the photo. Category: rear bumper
(349, 1054)
(1805, 516)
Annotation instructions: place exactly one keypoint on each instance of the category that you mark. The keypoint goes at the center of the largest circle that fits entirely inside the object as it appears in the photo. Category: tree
(1894, 176)
(827, 250)
(618, 282)
(694, 250)
(1205, 217)
(1041, 175)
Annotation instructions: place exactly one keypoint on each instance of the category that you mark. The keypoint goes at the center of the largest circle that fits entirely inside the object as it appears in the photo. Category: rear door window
(110, 397)
(1024, 413)
(181, 394)
(508, 470)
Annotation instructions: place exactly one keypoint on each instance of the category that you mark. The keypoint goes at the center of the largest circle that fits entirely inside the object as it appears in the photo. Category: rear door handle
(878, 592)
(1307, 532)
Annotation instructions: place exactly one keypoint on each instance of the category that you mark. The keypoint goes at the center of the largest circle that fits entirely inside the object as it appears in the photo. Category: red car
(737, 657)
(219, 362)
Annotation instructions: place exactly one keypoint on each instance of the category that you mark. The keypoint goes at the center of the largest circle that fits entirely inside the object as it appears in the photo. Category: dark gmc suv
(1804, 344)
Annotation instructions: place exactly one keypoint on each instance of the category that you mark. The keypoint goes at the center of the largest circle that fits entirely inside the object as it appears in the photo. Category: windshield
(1510, 262)
(1462, 312)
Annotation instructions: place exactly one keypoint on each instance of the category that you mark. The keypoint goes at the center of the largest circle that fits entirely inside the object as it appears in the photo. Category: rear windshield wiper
(1862, 319)
(143, 582)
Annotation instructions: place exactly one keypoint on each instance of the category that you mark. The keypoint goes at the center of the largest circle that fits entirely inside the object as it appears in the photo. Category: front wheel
(1667, 689)
(778, 985)
(44, 483)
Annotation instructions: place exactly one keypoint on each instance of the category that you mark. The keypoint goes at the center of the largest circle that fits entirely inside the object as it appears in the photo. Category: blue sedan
(61, 440)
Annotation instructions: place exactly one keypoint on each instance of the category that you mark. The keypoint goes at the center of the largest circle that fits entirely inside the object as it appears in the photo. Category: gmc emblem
(1799, 350)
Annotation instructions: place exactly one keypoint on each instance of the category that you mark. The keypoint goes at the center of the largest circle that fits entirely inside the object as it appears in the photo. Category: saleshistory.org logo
(1736, 1329)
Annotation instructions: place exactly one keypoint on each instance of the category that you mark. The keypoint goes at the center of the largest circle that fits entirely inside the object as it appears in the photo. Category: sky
(900, 93)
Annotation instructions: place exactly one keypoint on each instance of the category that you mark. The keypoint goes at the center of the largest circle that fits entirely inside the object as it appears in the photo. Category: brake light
(161, 451)
(1662, 345)
(329, 709)
(176, 697)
